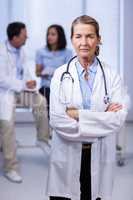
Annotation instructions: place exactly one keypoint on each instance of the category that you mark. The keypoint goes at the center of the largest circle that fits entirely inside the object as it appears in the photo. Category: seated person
(53, 55)
(14, 83)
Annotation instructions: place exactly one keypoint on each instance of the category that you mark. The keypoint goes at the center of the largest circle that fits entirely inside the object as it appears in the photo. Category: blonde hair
(85, 19)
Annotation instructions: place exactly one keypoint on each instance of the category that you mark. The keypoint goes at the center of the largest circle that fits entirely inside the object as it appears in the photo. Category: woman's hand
(46, 72)
(73, 113)
(114, 107)
(39, 69)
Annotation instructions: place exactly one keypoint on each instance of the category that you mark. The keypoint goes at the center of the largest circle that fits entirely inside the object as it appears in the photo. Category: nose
(84, 41)
(26, 37)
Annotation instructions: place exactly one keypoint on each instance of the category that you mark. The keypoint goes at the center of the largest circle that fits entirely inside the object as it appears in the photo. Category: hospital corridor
(66, 100)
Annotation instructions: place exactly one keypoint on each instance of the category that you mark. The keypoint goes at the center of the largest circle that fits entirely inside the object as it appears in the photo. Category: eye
(77, 36)
(91, 36)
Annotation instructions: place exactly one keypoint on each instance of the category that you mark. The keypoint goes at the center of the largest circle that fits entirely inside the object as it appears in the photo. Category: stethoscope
(67, 75)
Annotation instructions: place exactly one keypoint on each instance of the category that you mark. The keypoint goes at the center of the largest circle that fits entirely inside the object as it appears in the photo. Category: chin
(23, 44)
(84, 55)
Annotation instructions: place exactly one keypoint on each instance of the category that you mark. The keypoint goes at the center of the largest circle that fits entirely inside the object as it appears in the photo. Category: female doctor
(86, 113)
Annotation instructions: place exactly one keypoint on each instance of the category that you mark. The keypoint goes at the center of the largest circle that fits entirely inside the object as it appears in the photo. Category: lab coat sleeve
(98, 124)
(7, 81)
(65, 126)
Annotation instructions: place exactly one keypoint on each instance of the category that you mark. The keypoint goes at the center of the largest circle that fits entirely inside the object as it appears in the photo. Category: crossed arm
(73, 112)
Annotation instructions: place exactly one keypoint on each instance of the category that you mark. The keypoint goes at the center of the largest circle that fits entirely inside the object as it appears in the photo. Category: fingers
(114, 107)
(71, 108)
(70, 113)
(73, 113)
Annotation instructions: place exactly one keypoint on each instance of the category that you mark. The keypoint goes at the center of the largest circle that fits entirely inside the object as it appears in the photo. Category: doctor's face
(20, 39)
(85, 40)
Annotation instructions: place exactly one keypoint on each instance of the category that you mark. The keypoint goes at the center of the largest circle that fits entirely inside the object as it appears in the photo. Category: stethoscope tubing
(104, 77)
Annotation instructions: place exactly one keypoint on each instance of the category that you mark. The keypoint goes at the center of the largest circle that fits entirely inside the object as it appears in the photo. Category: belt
(86, 146)
(30, 91)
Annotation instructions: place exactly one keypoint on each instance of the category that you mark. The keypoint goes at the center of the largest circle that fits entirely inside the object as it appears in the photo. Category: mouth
(84, 50)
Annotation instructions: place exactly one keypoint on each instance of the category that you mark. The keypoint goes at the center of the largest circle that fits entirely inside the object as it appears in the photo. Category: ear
(15, 38)
(99, 40)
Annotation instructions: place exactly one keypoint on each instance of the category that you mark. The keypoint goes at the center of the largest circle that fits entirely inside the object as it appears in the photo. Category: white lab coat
(95, 126)
(8, 81)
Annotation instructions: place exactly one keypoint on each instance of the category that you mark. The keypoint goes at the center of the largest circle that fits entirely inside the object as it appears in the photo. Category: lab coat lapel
(98, 92)
(97, 82)
(77, 96)
(10, 57)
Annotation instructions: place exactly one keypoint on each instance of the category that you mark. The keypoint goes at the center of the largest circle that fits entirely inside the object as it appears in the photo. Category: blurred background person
(53, 55)
(16, 82)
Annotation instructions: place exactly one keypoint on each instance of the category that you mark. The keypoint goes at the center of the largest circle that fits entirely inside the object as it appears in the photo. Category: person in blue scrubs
(51, 56)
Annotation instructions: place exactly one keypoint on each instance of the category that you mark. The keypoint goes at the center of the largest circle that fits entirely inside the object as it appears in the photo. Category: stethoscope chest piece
(106, 99)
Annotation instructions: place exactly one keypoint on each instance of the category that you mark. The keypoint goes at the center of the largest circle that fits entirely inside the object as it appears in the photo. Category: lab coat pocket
(108, 145)
(59, 148)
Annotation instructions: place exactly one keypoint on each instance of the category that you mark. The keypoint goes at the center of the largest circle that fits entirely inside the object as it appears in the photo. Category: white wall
(128, 49)
(38, 15)
(3, 18)
(107, 14)
(115, 19)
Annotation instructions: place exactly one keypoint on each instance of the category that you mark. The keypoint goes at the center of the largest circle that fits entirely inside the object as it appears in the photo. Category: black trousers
(85, 176)
(45, 92)
(63, 198)
(85, 173)
(59, 198)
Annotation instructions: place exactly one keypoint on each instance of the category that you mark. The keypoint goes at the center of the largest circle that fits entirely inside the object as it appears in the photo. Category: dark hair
(14, 29)
(85, 19)
(61, 44)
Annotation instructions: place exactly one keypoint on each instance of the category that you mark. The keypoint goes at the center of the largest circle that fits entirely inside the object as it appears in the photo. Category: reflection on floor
(34, 165)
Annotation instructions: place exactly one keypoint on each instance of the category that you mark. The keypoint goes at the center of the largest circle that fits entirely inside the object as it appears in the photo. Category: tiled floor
(34, 165)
